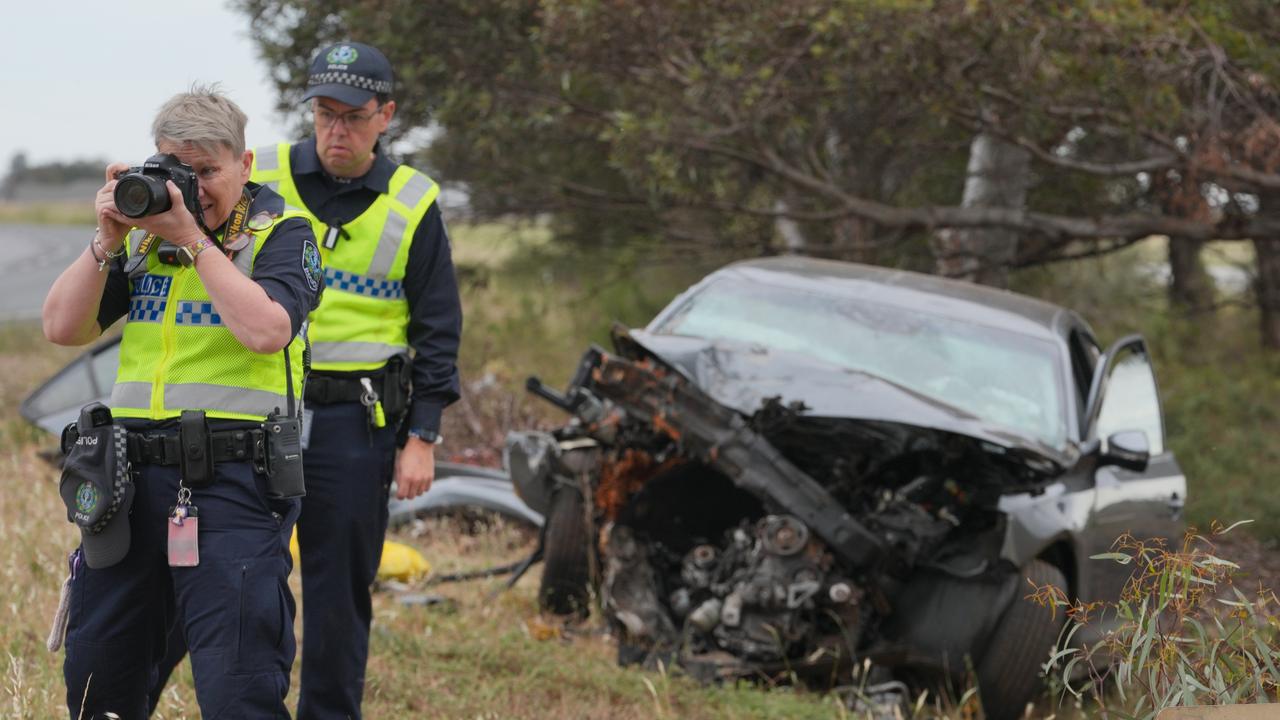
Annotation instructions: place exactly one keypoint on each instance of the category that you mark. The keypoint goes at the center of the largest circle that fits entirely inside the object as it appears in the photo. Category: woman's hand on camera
(112, 224)
(176, 224)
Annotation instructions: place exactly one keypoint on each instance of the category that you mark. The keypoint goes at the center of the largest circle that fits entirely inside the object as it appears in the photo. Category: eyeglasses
(355, 121)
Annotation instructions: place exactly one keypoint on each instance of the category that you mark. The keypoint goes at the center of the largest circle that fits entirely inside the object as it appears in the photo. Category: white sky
(83, 79)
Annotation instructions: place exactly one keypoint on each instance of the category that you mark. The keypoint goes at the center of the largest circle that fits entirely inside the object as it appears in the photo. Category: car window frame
(1101, 379)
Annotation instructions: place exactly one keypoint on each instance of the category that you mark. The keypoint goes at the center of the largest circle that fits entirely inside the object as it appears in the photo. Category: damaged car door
(1139, 488)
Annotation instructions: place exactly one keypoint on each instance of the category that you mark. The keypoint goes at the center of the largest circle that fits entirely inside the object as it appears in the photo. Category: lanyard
(236, 221)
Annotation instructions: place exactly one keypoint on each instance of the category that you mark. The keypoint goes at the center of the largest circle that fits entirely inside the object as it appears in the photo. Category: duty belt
(228, 446)
(327, 390)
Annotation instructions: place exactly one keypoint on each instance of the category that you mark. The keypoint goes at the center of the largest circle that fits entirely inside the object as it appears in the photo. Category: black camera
(140, 191)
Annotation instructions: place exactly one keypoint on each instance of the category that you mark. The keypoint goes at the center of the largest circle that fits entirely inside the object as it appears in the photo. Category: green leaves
(1184, 635)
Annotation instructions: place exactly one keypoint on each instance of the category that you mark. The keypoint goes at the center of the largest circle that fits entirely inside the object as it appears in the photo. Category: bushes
(1185, 634)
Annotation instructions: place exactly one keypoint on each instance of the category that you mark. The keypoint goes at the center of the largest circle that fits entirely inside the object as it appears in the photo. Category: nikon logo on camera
(342, 55)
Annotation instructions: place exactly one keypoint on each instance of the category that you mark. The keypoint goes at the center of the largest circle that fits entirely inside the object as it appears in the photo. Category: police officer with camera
(390, 289)
(190, 528)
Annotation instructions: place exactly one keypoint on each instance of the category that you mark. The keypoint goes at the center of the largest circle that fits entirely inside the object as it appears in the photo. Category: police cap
(349, 72)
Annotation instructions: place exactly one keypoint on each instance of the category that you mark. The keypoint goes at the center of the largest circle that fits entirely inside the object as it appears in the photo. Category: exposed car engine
(779, 541)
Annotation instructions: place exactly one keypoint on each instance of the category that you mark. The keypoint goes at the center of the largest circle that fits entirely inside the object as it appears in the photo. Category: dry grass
(475, 656)
(52, 212)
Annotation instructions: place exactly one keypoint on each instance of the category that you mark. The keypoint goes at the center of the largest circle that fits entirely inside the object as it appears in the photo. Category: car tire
(566, 572)
(1009, 673)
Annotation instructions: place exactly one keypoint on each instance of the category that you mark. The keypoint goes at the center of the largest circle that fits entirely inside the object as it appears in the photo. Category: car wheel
(566, 571)
(1009, 673)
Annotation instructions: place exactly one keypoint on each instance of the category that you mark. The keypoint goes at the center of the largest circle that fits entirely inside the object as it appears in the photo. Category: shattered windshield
(1000, 377)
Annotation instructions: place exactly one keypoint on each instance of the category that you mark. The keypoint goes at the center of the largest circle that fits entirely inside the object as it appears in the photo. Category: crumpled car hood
(742, 376)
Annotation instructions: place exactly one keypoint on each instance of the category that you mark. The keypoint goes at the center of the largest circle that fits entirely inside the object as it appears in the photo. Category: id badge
(306, 428)
(184, 546)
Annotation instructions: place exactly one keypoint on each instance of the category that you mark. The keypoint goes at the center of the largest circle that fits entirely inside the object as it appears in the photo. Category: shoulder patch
(311, 264)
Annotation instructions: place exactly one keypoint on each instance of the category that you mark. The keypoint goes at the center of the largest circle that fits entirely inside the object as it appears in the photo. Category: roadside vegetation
(1189, 631)
(532, 306)
(48, 213)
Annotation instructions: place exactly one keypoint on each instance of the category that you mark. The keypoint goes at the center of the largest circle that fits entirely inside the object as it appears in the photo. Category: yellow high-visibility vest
(363, 317)
(177, 354)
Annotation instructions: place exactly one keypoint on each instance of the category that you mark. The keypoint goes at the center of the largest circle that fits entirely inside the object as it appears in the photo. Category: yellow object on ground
(399, 561)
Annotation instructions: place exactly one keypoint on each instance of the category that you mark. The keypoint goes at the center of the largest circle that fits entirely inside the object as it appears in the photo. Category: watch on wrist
(430, 437)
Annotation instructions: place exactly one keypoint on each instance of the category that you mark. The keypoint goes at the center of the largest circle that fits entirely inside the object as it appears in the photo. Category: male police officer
(211, 349)
(390, 287)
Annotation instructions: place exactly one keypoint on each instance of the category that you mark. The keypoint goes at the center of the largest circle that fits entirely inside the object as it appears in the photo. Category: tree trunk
(793, 239)
(998, 176)
(1268, 286)
(1180, 195)
(1190, 287)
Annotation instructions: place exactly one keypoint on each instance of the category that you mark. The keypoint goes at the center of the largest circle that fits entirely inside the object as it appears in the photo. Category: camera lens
(138, 195)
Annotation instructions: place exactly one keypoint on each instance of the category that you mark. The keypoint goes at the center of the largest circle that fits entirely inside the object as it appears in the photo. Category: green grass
(532, 307)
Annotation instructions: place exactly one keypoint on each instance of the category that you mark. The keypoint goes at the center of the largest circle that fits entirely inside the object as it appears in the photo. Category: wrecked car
(801, 465)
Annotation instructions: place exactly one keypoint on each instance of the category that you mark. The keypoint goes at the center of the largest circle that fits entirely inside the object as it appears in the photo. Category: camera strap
(236, 222)
(138, 255)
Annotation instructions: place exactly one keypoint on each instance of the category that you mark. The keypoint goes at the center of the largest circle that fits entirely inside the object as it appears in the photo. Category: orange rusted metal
(623, 477)
(661, 425)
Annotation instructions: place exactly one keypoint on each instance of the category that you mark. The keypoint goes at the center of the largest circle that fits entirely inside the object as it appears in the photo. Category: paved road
(34, 256)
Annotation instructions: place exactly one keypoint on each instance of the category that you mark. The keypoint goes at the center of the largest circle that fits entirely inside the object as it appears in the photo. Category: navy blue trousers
(349, 468)
(234, 609)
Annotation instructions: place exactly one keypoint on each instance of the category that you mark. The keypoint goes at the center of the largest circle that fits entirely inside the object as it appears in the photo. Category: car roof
(929, 294)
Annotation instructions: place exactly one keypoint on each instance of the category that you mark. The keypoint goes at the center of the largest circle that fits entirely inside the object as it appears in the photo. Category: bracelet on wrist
(192, 251)
(95, 245)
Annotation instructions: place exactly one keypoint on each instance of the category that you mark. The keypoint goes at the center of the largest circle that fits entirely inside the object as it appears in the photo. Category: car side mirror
(1128, 449)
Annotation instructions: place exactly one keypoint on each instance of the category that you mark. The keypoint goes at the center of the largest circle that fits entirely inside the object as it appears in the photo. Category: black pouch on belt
(196, 460)
(395, 389)
(283, 461)
(96, 485)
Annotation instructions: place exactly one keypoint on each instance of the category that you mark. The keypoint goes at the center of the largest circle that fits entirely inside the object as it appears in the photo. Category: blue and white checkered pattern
(146, 308)
(197, 313)
(149, 295)
(352, 79)
(361, 285)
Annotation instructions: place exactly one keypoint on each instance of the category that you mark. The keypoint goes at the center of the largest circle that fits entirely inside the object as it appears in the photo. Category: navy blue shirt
(435, 310)
(278, 267)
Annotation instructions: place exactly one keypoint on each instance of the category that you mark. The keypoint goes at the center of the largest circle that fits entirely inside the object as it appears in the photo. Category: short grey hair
(202, 117)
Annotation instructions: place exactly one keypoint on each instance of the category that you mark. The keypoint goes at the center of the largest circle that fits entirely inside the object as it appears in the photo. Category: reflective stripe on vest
(354, 351)
(363, 316)
(200, 395)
